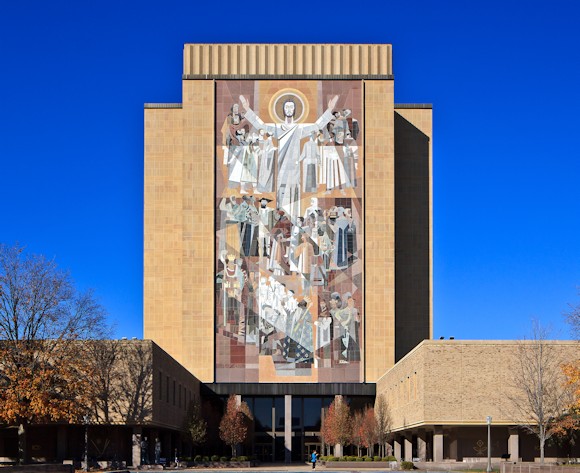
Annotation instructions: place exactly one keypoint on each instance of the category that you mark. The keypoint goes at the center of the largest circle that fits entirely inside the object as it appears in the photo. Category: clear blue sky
(503, 77)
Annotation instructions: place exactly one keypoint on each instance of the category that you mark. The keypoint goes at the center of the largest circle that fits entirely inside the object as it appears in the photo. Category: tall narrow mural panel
(289, 188)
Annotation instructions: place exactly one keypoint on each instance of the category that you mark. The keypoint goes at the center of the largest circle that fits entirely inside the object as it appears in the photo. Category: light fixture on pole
(488, 419)
(86, 421)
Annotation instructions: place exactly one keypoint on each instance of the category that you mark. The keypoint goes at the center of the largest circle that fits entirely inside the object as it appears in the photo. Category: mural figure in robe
(234, 130)
(266, 168)
(249, 171)
(310, 158)
(249, 228)
(267, 221)
(289, 133)
(232, 280)
(339, 258)
(298, 344)
(348, 319)
(306, 262)
(233, 122)
(324, 333)
(351, 241)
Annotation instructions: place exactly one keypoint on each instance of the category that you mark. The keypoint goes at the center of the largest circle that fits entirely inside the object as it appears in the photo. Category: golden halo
(276, 106)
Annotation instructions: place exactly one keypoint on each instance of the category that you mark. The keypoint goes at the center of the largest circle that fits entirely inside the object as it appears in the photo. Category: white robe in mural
(288, 136)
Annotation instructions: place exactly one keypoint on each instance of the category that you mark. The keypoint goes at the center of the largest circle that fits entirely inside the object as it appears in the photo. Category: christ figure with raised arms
(289, 133)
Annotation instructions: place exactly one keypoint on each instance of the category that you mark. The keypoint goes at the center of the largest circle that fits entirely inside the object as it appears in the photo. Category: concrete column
(154, 439)
(136, 448)
(397, 449)
(389, 450)
(288, 428)
(323, 449)
(514, 445)
(338, 448)
(408, 450)
(166, 446)
(421, 446)
(272, 433)
(438, 445)
(453, 447)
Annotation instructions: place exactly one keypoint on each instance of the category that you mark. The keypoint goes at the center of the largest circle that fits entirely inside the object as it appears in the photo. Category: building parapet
(163, 105)
(283, 61)
(413, 106)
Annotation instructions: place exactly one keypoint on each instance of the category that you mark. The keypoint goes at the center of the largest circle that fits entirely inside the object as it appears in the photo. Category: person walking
(313, 459)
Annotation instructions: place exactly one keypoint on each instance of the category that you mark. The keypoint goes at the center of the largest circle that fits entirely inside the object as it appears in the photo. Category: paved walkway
(287, 467)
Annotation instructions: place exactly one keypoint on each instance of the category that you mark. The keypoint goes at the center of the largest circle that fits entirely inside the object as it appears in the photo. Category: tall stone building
(287, 253)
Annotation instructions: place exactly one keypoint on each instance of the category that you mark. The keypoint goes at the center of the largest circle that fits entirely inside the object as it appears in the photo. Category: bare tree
(44, 375)
(568, 426)
(384, 423)
(538, 397)
(123, 380)
(134, 395)
(573, 318)
(104, 356)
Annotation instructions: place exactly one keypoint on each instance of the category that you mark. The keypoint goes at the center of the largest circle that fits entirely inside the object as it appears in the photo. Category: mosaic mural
(289, 263)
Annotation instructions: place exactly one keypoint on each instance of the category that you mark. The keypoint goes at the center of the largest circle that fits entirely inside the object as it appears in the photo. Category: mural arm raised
(323, 120)
(254, 119)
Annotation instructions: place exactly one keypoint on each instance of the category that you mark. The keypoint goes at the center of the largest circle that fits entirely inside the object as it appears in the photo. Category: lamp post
(86, 420)
(488, 419)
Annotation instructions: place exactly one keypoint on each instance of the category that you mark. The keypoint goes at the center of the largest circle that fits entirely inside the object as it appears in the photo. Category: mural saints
(289, 284)
(289, 134)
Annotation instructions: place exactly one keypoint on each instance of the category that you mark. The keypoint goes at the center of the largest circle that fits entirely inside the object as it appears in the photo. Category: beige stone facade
(445, 389)
(248, 317)
(457, 382)
(147, 386)
(179, 228)
(180, 220)
(380, 228)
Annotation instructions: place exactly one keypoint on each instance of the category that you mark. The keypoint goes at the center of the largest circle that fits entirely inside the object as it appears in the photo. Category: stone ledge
(40, 468)
(350, 465)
